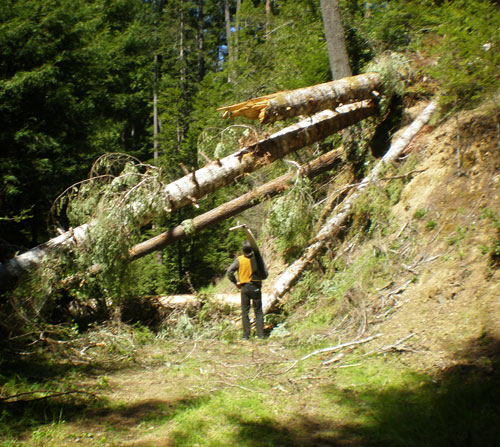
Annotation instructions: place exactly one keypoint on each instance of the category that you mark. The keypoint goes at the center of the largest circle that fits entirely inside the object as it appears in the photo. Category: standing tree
(335, 41)
(74, 85)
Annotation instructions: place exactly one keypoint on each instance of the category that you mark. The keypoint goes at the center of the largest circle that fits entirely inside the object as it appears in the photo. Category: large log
(291, 275)
(226, 210)
(207, 179)
(232, 208)
(307, 100)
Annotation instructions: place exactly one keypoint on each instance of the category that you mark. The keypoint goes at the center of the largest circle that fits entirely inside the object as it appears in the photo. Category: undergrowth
(493, 250)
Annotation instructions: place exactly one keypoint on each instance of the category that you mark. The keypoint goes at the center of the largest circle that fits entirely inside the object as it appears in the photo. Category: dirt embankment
(452, 302)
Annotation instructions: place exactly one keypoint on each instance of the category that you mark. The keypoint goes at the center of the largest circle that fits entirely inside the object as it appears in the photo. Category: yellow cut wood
(308, 100)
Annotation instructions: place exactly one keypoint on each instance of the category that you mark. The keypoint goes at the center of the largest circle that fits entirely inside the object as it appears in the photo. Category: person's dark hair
(246, 247)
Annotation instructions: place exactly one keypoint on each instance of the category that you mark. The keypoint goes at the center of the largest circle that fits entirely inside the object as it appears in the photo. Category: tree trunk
(233, 207)
(207, 179)
(251, 158)
(155, 83)
(307, 100)
(335, 41)
(293, 272)
(227, 17)
(181, 127)
(201, 42)
(229, 209)
(236, 31)
(268, 18)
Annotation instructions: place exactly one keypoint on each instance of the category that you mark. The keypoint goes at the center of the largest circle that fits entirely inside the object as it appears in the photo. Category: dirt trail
(173, 376)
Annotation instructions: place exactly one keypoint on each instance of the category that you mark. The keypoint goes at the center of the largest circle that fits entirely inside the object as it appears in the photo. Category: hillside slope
(425, 275)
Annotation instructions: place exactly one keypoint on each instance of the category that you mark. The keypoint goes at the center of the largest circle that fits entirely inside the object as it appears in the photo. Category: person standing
(251, 272)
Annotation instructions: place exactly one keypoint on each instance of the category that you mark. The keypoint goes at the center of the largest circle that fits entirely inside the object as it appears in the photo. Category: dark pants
(252, 292)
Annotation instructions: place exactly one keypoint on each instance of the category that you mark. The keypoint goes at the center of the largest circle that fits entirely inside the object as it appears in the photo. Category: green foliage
(115, 201)
(72, 87)
(371, 211)
(206, 320)
(395, 72)
(430, 225)
(291, 218)
(380, 26)
(420, 213)
(154, 275)
(361, 275)
(467, 53)
(454, 42)
(494, 249)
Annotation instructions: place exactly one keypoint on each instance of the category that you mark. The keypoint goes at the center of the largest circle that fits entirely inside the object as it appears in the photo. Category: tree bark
(268, 18)
(335, 41)
(293, 272)
(227, 17)
(181, 125)
(236, 31)
(229, 209)
(307, 100)
(201, 42)
(234, 207)
(207, 179)
(251, 158)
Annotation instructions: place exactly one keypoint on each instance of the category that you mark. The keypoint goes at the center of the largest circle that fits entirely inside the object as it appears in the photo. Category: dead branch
(14, 398)
(396, 346)
(333, 349)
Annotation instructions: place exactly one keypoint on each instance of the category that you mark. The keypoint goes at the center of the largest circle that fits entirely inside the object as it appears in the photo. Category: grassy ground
(256, 393)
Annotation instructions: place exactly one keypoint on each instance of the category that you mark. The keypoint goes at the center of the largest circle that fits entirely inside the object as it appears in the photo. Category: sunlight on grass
(220, 420)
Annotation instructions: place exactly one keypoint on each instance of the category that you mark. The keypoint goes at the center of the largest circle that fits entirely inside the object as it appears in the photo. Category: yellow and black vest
(244, 269)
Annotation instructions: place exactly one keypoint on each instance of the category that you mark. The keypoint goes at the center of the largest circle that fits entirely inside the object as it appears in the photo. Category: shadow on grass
(301, 432)
(459, 407)
(40, 368)
(98, 415)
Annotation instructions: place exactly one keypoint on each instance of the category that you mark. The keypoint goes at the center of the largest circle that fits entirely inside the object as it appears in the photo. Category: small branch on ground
(397, 346)
(14, 398)
(333, 349)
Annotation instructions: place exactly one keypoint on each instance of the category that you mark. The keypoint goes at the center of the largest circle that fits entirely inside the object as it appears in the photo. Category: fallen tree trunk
(307, 100)
(291, 275)
(207, 179)
(226, 210)
(253, 157)
(233, 207)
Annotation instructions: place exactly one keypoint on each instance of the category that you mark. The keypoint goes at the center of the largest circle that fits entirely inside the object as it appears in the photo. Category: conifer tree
(74, 85)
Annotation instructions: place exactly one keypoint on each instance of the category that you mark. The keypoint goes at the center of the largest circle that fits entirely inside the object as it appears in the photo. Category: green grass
(226, 394)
